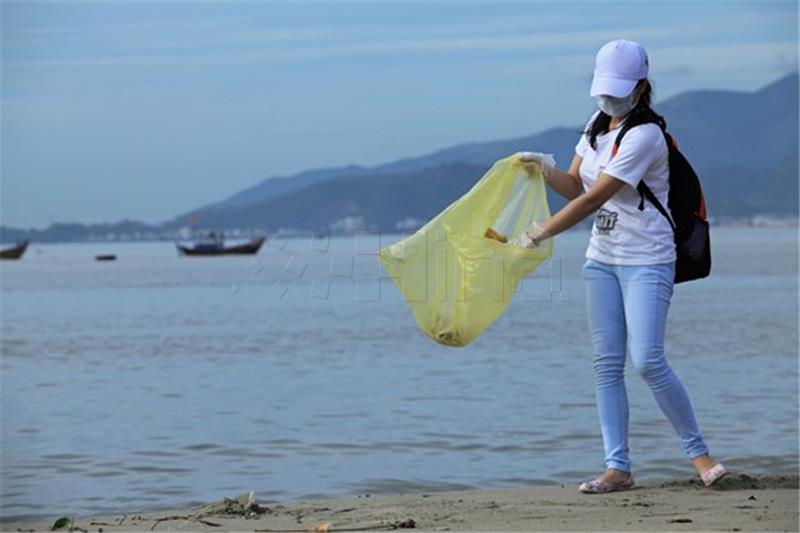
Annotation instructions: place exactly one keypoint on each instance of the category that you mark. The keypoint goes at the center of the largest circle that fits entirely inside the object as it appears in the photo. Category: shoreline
(757, 222)
(737, 502)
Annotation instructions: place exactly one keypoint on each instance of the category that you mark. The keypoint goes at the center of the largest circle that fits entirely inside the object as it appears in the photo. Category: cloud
(299, 45)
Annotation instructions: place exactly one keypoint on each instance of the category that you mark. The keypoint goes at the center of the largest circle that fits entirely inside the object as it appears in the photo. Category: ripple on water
(105, 473)
(69, 457)
(156, 453)
(343, 446)
(579, 435)
(150, 469)
(448, 435)
(244, 452)
(507, 448)
(200, 447)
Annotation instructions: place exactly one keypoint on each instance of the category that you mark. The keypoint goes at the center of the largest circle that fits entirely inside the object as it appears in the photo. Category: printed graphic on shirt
(605, 220)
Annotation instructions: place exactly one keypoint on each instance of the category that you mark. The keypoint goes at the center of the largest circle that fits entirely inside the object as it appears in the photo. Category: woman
(630, 261)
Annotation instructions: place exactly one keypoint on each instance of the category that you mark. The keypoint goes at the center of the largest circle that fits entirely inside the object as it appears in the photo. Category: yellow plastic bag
(456, 280)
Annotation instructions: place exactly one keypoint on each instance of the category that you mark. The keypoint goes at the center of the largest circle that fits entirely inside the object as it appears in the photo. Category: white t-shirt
(621, 233)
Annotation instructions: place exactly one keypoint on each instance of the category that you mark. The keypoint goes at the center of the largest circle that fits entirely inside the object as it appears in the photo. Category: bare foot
(703, 462)
(614, 476)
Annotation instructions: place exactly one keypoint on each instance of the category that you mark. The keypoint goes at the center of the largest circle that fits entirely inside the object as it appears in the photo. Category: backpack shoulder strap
(625, 127)
(644, 190)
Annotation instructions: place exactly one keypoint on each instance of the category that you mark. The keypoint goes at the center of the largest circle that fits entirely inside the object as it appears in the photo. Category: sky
(143, 110)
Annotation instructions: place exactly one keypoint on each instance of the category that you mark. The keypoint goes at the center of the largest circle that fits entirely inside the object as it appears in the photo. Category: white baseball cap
(619, 65)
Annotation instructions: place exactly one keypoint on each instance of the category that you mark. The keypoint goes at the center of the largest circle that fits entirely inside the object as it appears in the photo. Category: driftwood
(190, 518)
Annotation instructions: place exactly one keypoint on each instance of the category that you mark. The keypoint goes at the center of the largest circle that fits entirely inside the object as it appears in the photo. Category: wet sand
(738, 502)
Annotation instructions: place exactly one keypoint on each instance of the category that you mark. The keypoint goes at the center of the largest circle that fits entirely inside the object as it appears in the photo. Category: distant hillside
(744, 146)
(560, 141)
(66, 232)
(366, 201)
(285, 185)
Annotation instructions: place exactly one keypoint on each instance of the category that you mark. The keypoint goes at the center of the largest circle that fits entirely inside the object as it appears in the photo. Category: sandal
(714, 473)
(597, 486)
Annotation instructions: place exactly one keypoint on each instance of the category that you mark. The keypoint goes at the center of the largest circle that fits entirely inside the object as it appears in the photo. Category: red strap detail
(701, 211)
(614, 150)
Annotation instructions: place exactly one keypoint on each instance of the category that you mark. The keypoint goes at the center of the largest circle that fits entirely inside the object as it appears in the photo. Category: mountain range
(743, 145)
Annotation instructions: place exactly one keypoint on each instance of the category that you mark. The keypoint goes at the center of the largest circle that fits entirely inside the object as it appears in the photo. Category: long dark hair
(639, 114)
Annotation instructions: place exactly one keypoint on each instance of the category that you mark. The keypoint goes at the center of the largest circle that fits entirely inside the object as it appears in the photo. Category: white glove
(546, 162)
(526, 238)
(523, 241)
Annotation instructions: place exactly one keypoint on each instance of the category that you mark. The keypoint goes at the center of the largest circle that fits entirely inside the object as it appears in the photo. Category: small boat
(105, 257)
(15, 252)
(214, 244)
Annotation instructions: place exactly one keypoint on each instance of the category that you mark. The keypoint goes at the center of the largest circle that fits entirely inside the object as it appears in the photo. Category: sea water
(157, 381)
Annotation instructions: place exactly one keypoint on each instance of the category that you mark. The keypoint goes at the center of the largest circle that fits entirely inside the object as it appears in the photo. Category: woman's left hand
(536, 234)
(533, 238)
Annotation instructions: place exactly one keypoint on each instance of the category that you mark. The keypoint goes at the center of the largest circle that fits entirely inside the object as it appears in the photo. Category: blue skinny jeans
(628, 304)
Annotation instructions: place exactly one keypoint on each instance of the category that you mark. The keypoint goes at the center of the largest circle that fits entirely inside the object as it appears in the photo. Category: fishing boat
(15, 252)
(214, 244)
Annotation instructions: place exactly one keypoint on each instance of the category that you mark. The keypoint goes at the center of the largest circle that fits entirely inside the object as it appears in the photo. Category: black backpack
(687, 204)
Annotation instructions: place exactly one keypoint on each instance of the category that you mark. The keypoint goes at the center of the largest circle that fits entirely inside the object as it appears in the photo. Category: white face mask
(616, 107)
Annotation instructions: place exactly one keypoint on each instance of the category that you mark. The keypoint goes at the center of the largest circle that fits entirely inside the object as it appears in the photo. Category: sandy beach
(739, 503)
